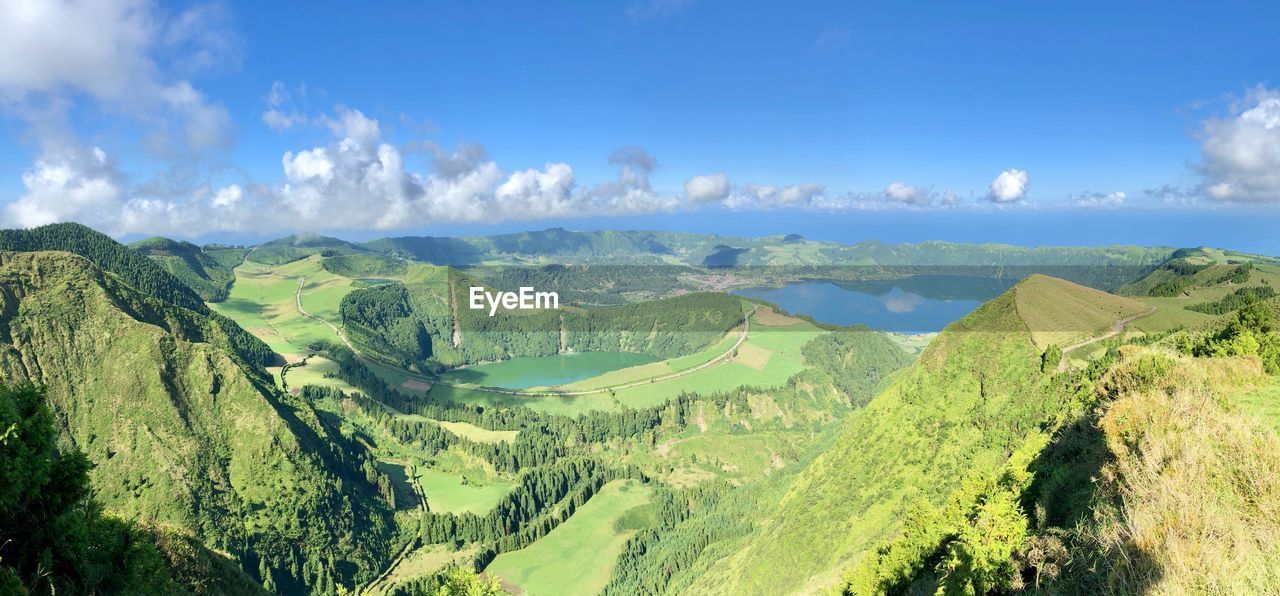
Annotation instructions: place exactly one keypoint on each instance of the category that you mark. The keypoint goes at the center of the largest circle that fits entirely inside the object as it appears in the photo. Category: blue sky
(993, 121)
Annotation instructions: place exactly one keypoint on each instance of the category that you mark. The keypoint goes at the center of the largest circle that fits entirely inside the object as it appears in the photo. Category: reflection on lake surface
(882, 305)
(545, 371)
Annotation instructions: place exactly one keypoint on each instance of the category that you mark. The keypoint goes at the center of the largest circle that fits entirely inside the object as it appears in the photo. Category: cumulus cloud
(1171, 195)
(1098, 200)
(765, 196)
(105, 49)
(1240, 153)
(1009, 186)
(901, 192)
(356, 181)
(227, 197)
(702, 189)
(67, 185)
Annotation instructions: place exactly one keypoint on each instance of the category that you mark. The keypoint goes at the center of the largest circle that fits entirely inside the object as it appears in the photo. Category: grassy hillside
(209, 274)
(143, 274)
(183, 432)
(56, 538)
(970, 401)
(1063, 313)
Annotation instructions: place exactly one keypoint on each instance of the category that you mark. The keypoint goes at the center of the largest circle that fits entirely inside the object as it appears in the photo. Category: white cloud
(227, 197)
(911, 195)
(357, 181)
(761, 196)
(1240, 154)
(1171, 195)
(276, 116)
(279, 120)
(533, 193)
(1098, 200)
(1009, 186)
(96, 47)
(61, 187)
(106, 49)
(702, 189)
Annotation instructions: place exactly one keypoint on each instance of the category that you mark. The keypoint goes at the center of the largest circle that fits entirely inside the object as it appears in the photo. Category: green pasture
(578, 556)
(450, 493)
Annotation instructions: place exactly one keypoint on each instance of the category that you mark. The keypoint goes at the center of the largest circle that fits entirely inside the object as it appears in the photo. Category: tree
(1051, 358)
(981, 559)
(463, 581)
(53, 537)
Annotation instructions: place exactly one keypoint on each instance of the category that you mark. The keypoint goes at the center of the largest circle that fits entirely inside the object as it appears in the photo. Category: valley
(739, 444)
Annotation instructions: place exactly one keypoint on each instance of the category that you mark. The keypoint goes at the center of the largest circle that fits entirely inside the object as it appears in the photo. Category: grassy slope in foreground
(960, 410)
(179, 430)
(578, 556)
(1188, 492)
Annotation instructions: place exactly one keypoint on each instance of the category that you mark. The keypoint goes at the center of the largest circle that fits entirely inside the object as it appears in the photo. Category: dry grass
(1195, 487)
(753, 355)
(768, 317)
(1060, 312)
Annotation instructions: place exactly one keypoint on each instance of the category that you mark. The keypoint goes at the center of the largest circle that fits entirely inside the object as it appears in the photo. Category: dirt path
(1115, 330)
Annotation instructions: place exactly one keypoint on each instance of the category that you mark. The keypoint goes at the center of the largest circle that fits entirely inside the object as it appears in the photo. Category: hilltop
(1059, 312)
(299, 246)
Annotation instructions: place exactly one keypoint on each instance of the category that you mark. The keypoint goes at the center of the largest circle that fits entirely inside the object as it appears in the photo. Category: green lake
(545, 371)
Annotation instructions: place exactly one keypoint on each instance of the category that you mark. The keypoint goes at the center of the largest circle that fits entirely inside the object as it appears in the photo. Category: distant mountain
(546, 246)
(300, 246)
(973, 397)
(1101, 267)
(208, 273)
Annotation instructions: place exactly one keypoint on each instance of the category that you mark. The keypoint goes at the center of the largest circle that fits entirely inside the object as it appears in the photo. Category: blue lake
(888, 309)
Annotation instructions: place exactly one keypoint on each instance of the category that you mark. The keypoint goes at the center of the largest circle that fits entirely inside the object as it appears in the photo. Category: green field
(479, 435)
(447, 493)
(314, 373)
(578, 556)
(263, 302)
(534, 372)
(1263, 402)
